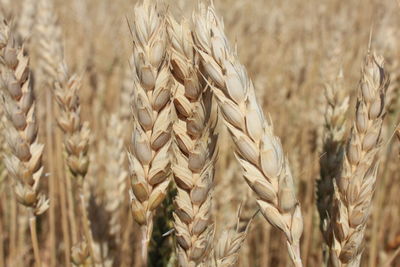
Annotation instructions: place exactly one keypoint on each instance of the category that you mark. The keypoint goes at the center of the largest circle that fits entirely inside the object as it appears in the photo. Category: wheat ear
(27, 19)
(116, 180)
(76, 141)
(355, 186)
(258, 150)
(333, 148)
(151, 106)
(226, 251)
(195, 149)
(25, 162)
(49, 38)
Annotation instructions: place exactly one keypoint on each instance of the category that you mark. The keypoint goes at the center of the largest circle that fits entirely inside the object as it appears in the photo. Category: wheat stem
(85, 222)
(35, 243)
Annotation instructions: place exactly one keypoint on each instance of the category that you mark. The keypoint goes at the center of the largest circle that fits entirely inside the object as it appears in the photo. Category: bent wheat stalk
(25, 162)
(258, 150)
(195, 149)
(355, 186)
(151, 106)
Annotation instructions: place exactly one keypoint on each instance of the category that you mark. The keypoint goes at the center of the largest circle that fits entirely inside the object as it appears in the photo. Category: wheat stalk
(258, 150)
(25, 162)
(332, 150)
(355, 186)
(151, 105)
(195, 150)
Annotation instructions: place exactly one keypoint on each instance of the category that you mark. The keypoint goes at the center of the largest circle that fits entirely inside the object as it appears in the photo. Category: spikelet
(258, 150)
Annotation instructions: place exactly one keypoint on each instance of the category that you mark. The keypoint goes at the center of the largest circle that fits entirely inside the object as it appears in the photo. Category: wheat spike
(258, 150)
(116, 179)
(355, 186)
(151, 106)
(48, 37)
(226, 251)
(126, 92)
(27, 18)
(76, 145)
(195, 150)
(24, 163)
(77, 134)
(333, 148)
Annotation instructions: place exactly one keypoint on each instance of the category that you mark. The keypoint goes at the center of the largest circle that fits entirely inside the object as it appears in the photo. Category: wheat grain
(195, 151)
(257, 149)
(151, 105)
(355, 186)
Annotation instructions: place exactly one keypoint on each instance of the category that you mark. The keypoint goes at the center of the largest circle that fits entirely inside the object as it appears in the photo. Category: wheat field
(199, 133)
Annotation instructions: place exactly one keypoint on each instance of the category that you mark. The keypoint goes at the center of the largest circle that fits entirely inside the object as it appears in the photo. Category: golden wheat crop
(199, 133)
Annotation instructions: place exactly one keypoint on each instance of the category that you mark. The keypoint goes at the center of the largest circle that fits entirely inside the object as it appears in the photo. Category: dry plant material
(151, 105)
(195, 149)
(355, 186)
(333, 149)
(24, 163)
(258, 150)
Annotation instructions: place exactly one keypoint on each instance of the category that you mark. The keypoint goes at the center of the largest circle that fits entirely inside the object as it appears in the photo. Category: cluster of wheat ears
(185, 91)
